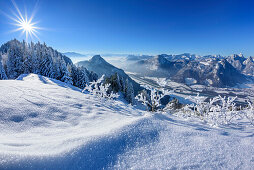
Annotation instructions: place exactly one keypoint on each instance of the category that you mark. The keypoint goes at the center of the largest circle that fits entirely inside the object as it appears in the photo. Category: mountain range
(73, 54)
(242, 64)
(18, 58)
(212, 70)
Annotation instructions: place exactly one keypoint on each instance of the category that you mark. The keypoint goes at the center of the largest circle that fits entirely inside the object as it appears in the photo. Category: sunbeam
(26, 25)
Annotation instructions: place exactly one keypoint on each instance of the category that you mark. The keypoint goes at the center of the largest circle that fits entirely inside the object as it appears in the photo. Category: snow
(205, 63)
(49, 117)
(190, 81)
(47, 124)
(181, 145)
(209, 81)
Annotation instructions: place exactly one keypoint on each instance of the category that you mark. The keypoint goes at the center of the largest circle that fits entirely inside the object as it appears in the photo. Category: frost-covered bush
(174, 104)
(249, 112)
(217, 111)
(153, 100)
(100, 90)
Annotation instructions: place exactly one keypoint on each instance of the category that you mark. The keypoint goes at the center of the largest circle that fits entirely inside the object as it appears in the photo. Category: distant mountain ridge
(217, 71)
(244, 65)
(73, 54)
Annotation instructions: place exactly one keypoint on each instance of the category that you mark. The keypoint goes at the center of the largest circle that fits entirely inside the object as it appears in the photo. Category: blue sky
(140, 26)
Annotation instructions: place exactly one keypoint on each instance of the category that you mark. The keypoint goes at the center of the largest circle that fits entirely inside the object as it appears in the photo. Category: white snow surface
(190, 81)
(47, 124)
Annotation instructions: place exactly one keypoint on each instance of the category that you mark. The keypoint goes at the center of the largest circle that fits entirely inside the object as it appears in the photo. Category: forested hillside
(18, 58)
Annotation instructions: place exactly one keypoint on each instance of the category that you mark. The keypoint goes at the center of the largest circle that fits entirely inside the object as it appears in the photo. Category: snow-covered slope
(186, 145)
(47, 124)
(41, 117)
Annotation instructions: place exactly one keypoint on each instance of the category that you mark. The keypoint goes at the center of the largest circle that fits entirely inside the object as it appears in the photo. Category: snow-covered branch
(100, 90)
(153, 100)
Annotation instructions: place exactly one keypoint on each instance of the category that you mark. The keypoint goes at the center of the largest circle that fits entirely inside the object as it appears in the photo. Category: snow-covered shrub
(249, 112)
(199, 107)
(153, 100)
(173, 105)
(100, 90)
(217, 111)
(227, 110)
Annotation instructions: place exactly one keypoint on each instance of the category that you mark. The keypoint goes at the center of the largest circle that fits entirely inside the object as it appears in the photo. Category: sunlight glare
(27, 26)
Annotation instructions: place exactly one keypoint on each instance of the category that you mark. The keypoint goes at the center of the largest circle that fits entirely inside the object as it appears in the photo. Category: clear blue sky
(140, 26)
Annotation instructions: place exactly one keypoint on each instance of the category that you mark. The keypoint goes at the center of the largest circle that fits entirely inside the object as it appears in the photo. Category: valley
(181, 91)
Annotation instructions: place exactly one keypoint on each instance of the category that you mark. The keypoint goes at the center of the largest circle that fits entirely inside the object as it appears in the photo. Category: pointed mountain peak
(97, 59)
(241, 55)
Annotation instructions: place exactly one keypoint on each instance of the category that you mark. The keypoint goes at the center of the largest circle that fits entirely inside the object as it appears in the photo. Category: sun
(24, 24)
(27, 26)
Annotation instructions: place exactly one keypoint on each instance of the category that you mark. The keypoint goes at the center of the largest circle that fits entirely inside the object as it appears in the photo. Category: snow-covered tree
(14, 62)
(129, 92)
(118, 84)
(114, 81)
(2, 71)
(153, 100)
(122, 82)
(100, 90)
(79, 77)
(21, 57)
(118, 81)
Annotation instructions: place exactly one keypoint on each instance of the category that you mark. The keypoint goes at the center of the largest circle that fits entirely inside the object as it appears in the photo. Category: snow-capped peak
(97, 59)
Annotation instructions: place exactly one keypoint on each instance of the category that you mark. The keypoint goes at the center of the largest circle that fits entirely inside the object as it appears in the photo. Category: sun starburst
(26, 25)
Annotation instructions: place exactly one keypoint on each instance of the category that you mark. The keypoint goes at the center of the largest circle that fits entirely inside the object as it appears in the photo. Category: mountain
(138, 57)
(158, 66)
(211, 71)
(237, 61)
(23, 58)
(249, 66)
(244, 65)
(99, 66)
(216, 73)
(184, 56)
(176, 57)
(73, 54)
